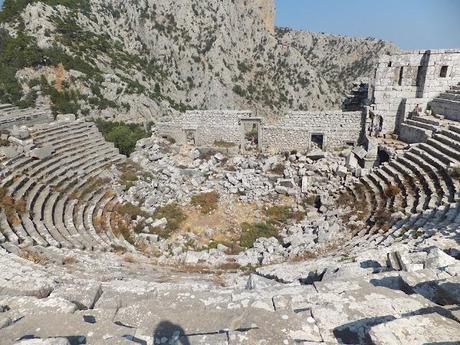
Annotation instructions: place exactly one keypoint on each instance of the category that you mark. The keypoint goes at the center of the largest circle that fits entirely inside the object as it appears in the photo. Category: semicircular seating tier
(413, 195)
(66, 199)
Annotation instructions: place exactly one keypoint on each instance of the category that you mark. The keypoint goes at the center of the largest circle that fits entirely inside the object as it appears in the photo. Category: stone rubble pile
(175, 175)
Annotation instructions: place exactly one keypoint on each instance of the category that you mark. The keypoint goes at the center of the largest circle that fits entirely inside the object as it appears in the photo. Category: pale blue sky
(411, 24)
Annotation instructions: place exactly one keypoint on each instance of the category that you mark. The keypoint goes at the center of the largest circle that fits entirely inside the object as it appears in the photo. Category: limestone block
(437, 258)
(305, 184)
(65, 117)
(419, 329)
(84, 296)
(21, 133)
(41, 152)
(341, 171)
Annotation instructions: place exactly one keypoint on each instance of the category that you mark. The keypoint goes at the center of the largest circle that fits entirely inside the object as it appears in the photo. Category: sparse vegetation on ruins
(11, 207)
(130, 173)
(279, 214)
(174, 214)
(392, 191)
(224, 144)
(252, 231)
(33, 256)
(206, 202)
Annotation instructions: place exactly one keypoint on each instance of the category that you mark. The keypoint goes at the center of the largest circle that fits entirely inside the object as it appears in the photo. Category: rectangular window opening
(317, 141)
(443, 73)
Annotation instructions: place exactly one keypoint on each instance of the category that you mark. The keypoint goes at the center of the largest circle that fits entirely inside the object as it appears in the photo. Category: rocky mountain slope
(152, 58)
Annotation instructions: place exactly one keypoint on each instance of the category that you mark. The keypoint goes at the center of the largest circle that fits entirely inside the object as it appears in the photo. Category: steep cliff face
(132, 60)
(267, 9)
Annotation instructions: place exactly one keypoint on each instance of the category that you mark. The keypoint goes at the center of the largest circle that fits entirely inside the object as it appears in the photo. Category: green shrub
(207, 202)
(252, 231)
(124, 136)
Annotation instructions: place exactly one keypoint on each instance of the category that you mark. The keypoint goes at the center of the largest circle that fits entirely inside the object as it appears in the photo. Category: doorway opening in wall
(383, 156)
(317, 141)
(251, 135)
(401, 74)
(190, 136)
(443, 73)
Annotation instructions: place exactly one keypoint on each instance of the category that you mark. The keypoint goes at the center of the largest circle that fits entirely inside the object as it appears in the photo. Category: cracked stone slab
(418, 329)
(71, 325)
(349, 318)
(118, 294)
(21, 306)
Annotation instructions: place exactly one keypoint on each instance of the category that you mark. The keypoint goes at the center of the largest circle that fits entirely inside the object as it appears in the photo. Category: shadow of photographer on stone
(170, 333)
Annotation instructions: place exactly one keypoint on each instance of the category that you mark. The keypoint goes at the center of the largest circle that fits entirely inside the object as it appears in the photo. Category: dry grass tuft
(129, 258)
(304, 257)
(206, 202)
(33, 256)
(68, 260)
(392, 191)
(224, 144)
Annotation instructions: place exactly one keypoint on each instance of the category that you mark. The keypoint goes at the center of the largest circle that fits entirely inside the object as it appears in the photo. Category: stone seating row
(53, 217)
(411, 185)
(447, 104)
(10, 116)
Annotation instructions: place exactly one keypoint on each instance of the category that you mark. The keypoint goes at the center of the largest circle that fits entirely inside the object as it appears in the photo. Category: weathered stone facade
(298, 129)
(206, 127)
(295, 131)
(405, 80)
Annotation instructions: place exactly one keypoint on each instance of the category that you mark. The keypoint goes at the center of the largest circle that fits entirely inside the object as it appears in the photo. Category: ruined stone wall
(293, 132)
(206, 127)
(277, 139)
(296, 129)
(411, 78)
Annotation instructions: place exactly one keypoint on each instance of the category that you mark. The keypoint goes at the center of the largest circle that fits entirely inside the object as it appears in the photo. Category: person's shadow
(169, 334)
